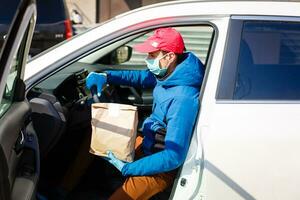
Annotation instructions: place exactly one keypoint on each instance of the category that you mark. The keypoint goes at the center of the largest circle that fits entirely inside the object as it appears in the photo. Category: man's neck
(170, 70)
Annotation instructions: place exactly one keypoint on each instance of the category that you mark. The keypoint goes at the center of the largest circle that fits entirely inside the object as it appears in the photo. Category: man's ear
(173, 56)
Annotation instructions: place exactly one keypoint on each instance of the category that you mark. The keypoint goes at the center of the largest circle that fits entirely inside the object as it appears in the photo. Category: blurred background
(58, 20)
(96, 11)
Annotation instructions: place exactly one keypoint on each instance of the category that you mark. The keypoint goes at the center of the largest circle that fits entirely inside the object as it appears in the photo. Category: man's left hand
(115, 161)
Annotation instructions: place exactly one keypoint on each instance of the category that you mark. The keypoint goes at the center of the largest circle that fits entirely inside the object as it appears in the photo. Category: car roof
(207, 9)
(226, 7)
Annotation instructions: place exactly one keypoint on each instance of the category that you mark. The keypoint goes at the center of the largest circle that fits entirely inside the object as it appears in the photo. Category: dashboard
(52, 106)
(72, 88)
(66, 85)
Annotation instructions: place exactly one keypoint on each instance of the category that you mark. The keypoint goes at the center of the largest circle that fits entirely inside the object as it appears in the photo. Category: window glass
(9, 88)
(15, 67)
(268, 62)
(196, 38)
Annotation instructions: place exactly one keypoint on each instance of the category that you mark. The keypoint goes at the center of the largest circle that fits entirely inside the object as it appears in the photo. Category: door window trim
(236, 23)
(17, 44)
(119, 35)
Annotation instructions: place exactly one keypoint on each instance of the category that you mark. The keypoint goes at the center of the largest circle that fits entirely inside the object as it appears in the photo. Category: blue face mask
(153, 66)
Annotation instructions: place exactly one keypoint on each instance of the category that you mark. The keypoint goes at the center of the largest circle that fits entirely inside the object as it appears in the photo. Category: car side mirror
(120, 55)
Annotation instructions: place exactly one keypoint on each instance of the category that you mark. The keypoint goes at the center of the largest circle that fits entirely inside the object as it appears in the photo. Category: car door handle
(19, 145)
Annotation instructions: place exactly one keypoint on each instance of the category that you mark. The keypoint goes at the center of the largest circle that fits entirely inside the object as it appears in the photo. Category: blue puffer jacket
(175, 108)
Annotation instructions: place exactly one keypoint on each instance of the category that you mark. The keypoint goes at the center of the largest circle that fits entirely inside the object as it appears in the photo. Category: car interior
(61, 116)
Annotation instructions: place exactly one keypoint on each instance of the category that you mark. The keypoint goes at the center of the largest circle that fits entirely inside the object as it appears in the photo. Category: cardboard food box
(114, 128)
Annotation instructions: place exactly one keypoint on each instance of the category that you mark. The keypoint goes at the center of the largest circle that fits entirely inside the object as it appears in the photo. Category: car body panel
(193, 167)
(145, 16)
(239, 150)
(249, 147)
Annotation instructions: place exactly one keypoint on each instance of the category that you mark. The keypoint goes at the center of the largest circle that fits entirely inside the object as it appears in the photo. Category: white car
(246, 139)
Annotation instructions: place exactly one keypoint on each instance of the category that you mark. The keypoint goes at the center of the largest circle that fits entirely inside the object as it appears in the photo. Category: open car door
(19, 156)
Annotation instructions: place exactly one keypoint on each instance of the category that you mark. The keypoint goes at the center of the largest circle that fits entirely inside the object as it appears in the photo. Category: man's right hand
(97, 79)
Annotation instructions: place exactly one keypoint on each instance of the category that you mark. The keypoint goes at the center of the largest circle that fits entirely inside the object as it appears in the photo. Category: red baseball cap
(165, 39)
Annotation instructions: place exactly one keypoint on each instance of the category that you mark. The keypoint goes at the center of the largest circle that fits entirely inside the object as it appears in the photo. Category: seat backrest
(48, 122)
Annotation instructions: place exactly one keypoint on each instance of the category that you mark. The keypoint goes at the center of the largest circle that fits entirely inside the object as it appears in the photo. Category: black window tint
(268, 62)
(50, 11)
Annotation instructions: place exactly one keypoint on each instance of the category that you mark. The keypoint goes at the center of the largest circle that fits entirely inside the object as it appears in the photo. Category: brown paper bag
(114, 128)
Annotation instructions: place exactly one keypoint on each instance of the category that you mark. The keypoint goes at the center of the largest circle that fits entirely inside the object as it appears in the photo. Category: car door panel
(12, 123)
(4, 182)
(14, 118)
(19, 154)
(19, 150)
(25, 182)
(19, 191)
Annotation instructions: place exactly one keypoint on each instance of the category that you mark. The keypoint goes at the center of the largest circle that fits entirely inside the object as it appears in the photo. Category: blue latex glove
(115, 161)
(97, 79)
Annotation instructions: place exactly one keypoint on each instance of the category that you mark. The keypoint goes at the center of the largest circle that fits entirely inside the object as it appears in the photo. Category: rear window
(48, 11)
(266, 64)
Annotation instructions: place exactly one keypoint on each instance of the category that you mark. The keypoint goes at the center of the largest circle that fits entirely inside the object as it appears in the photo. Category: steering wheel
(108, 94)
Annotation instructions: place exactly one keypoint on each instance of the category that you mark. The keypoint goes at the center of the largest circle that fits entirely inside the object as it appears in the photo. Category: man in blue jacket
(176, 78)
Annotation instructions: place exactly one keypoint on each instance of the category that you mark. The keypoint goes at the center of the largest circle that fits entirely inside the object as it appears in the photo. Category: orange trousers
(143, 187)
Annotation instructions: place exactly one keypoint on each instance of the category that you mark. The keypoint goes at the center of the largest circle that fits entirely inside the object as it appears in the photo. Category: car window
(14, 72)
(196, 38)
(268, 62)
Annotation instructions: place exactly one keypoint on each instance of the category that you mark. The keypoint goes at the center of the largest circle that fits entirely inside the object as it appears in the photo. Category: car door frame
(226, 129)
(136, 97)
(17, 41)
(102, 42)
(13, 39)
(125, 32)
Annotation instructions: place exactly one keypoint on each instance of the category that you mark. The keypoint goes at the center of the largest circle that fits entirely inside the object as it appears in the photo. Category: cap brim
(145, 48)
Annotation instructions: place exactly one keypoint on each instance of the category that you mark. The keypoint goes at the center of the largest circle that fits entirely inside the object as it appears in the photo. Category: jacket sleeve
(181, 118)
(134, 78)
